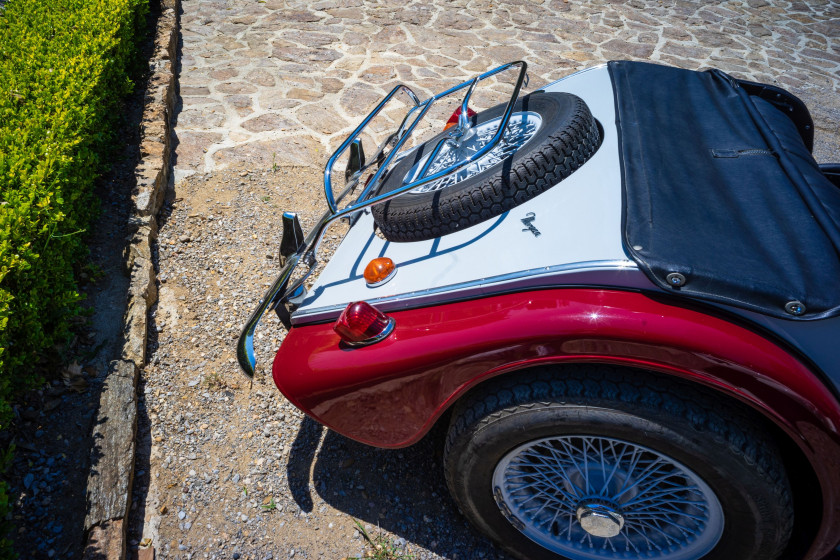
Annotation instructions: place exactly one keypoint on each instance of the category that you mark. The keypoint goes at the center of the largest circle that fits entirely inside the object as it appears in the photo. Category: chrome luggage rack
(294, 248)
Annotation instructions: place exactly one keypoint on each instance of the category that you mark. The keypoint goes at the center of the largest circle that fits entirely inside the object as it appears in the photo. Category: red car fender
(390, 394)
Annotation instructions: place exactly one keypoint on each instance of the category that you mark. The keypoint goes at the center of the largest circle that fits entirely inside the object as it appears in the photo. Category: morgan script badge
(528, 220)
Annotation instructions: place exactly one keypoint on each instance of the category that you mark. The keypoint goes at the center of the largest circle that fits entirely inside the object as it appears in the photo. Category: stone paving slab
(284, 82)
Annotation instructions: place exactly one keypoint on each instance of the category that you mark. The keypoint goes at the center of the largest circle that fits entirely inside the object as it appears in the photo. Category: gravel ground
(48, 487)
(225, 468)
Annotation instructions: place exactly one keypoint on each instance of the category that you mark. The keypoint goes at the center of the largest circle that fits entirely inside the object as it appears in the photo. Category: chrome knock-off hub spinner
(600, 520)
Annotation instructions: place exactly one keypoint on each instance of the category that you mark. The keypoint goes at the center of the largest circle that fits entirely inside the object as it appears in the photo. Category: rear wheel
(594, 463)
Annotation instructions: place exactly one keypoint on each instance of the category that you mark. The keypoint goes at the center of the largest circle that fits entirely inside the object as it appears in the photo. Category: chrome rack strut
(279, 292)
(456, 135)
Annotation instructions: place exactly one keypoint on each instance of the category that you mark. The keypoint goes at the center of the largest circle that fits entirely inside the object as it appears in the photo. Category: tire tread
(733, 426)
(559, 156)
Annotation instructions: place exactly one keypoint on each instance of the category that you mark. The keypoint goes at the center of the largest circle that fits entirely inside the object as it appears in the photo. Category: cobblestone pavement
(283, 82)
(269, 88)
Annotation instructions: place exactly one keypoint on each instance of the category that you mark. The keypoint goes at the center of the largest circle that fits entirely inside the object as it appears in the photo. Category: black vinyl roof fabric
(722, 199)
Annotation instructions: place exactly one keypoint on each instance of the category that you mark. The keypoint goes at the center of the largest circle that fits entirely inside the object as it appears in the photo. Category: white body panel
(579, 221)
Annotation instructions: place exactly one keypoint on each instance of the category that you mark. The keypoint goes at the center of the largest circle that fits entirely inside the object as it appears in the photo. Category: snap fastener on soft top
(675, 279)
(795, 308)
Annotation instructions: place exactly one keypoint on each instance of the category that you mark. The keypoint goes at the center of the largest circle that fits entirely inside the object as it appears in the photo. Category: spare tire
(548, 137)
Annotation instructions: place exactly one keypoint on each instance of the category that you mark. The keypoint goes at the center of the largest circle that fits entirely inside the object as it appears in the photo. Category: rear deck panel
(579, 241)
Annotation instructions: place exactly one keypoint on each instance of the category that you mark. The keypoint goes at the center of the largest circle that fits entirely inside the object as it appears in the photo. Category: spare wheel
(549, 136)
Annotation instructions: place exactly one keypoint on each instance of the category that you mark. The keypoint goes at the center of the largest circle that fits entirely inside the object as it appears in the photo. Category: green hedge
(64, 67)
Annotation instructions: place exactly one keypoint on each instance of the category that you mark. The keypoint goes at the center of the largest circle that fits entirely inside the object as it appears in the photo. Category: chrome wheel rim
(521, 128)
(594, 498)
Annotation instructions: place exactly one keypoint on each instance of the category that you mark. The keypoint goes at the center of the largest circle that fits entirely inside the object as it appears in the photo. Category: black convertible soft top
(722, 198)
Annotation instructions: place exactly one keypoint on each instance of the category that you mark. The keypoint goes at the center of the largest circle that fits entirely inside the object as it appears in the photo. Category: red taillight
(453, 120)
(362, 323)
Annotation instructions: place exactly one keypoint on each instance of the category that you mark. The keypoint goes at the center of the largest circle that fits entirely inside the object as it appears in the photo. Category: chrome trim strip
(550, 276)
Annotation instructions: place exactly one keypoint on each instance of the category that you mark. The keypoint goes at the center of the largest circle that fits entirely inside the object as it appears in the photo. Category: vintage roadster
(620, 293)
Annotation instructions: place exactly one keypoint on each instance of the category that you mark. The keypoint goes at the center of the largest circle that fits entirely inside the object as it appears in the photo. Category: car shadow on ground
(401, 491)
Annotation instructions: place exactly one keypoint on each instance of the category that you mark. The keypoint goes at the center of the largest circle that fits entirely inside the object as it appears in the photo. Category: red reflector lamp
(453, 120)
(361, 324)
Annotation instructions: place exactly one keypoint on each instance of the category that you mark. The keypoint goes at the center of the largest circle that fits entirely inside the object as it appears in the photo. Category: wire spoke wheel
(592, 462)
(521, 128)
(591, 497)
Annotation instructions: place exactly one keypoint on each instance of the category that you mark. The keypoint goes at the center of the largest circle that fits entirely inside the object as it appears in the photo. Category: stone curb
(112, 458)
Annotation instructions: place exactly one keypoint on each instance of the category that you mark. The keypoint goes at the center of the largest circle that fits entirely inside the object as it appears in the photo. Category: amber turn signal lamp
(361, 323)
(453, 120)
(379, 270)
